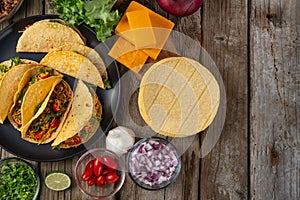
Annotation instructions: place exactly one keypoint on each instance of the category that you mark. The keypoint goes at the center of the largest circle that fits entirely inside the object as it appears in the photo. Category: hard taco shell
(88, 52)
(54, 134)
(9, 86)
(35, 94)
(49, 34)
(88, 105)
(75, 65)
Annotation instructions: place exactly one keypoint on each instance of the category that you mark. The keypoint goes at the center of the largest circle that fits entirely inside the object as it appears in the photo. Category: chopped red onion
(153, 162)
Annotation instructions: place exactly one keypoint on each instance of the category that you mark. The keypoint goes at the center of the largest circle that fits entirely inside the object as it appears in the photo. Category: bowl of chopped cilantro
(18, 179)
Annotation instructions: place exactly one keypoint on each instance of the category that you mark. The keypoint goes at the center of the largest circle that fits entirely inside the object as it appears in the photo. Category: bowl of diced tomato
(99, 173)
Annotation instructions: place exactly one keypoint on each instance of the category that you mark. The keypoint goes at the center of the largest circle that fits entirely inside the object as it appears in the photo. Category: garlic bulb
(120, 140)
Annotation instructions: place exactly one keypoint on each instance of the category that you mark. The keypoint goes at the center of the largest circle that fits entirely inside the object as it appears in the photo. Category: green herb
(96, 119)
(18, 181)
(96, 13)
(32, 80)
(37, 107)
(21, 96)
(107, 84)
(58, 148)
(37, 125)
(51, 115)
(15, 61)
(3, 69)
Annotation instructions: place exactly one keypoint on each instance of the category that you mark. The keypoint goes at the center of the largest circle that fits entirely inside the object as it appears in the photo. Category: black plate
(10, 137)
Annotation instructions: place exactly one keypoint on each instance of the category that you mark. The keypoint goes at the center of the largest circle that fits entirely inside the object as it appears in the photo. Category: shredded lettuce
(98, 14)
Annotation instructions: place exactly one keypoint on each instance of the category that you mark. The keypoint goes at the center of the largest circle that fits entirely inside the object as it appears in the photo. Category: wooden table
(256, 46)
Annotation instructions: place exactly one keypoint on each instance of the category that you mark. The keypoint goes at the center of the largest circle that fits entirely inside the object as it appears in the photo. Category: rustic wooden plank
(224, 35)
(49, 7)
(189, 175)
(275, 94)
(34, 7)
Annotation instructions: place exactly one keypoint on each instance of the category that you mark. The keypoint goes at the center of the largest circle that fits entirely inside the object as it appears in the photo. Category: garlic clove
(120, 140)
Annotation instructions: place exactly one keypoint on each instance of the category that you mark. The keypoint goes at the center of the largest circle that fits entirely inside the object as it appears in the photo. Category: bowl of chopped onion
(153, 163)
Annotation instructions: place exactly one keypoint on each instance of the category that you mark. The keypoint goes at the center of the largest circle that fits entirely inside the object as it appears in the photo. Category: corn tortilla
(88, 52)
(73, 64)
(48, 34)
(178, 97)
(9, 86)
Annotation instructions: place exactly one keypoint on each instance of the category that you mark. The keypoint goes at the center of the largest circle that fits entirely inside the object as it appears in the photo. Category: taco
(33, 88)
(79, 128)
(88, 52)
(48, 120)
(7, 65)
(9, 86)
(49, 34)
(75, 65)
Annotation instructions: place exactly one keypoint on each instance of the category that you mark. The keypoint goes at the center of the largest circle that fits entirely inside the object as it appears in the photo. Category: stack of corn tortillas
(178, 97)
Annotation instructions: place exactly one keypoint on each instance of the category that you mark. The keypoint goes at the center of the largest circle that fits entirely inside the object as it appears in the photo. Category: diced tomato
(92, 181)
(27, 26)
(56, 106)
(100, 181)
(108, 170)
(55, 124)
(38, 135)
(109, 162)
(90, 165)
(111, 178)
(98, 166)
(87, 174)
(43, 76)
(73, 141)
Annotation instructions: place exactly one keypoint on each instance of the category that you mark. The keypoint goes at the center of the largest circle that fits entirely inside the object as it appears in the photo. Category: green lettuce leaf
(98, 14)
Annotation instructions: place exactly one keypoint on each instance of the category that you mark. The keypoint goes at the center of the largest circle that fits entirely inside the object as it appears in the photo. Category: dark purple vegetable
(180, 8)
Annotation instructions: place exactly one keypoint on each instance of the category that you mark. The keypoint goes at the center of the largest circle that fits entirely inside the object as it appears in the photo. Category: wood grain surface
(256, 47)
(275, 99)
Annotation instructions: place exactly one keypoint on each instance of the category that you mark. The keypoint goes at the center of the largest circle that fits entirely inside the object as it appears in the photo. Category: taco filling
(89, 129)
(5, 68)
(46, 124)
(16, 111)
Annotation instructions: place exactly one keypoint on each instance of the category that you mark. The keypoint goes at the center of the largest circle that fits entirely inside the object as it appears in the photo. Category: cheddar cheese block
(142, 34)
(162, 28)
(127, 54)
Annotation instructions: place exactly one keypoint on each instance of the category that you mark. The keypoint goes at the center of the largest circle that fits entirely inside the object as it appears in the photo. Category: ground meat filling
(6, 6)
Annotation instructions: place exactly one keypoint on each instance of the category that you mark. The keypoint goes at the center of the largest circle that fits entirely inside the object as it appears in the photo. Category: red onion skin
(180, 8)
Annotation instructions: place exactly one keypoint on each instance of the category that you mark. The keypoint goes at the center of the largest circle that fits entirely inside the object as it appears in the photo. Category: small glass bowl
(130, 163)
(15, 160)
(94, 191)
(12, 12)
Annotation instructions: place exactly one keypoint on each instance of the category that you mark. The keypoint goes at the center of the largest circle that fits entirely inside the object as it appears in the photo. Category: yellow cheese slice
(127, 54)
(162, 28)
(142, 34)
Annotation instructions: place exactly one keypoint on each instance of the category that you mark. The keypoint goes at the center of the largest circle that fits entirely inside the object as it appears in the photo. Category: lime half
(57, 181)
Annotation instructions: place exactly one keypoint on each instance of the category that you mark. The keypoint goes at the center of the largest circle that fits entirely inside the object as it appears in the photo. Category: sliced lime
(57, 181)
